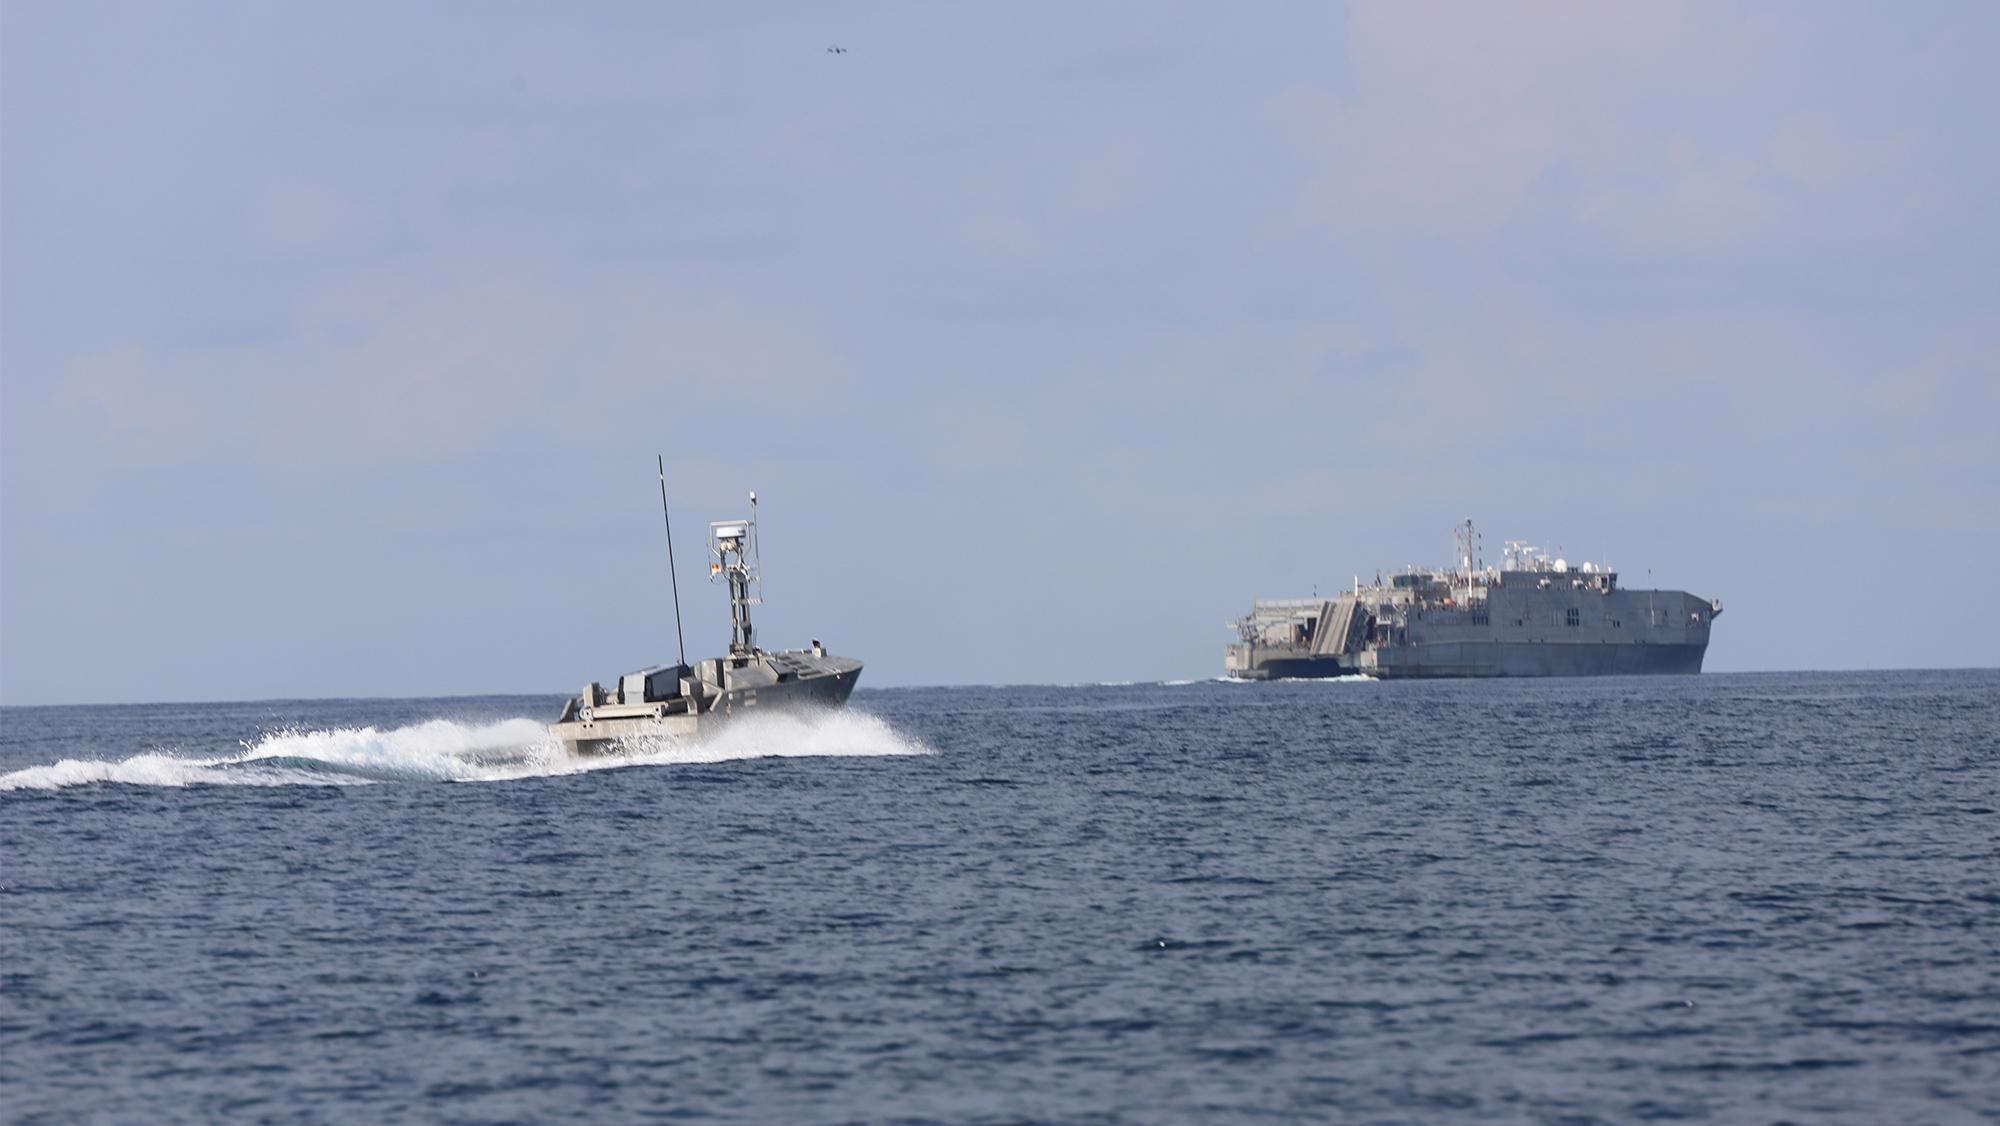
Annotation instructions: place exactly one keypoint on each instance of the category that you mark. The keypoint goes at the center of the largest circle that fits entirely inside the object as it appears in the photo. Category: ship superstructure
(1534, 615)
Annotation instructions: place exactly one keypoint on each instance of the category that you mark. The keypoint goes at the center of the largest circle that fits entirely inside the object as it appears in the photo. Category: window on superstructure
(1573, 616)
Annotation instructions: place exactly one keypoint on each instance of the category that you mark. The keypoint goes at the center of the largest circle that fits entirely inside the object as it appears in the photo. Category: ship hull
(1514, 659)
(1291, 668)
(829, 690)
(1472, 660)
(827, 687)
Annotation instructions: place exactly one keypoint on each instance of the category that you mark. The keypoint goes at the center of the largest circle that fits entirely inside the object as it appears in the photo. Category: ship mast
(1468, 553)
(733, 550)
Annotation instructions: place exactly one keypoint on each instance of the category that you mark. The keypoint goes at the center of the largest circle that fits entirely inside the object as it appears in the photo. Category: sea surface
(1748, 898)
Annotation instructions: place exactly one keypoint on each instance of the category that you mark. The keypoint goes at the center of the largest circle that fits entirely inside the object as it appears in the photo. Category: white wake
(445, 751)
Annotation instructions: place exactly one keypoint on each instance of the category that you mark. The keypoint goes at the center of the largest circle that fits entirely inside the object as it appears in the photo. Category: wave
(445, 751)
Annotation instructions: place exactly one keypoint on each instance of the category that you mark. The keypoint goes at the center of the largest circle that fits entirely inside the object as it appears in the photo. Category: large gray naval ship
(681, 700)
(1532, 616)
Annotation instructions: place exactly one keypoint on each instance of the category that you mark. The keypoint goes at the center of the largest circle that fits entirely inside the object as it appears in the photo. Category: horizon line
(1145, 682)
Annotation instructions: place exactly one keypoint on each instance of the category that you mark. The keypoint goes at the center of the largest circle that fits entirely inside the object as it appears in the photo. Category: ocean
(1768, 897)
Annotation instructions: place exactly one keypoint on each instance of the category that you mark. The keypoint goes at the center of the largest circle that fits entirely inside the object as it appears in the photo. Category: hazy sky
(337, 340)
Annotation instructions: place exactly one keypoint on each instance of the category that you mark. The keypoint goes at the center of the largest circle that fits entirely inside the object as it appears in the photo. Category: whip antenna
(671, 574)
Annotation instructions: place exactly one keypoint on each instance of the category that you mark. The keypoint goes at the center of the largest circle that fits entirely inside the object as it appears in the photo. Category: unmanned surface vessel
(680, 700)
(1533, 616)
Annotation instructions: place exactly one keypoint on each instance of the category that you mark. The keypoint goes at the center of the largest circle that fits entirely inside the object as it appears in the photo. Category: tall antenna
(671, 573)
(733, 554)
(1467, 543)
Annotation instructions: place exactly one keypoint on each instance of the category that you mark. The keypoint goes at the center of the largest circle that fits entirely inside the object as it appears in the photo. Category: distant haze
(337, 340)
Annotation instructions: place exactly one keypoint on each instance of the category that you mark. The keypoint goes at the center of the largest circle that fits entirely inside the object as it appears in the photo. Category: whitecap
(442, 750)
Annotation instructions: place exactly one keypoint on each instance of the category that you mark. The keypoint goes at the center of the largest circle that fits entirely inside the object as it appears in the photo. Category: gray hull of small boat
(683, 701)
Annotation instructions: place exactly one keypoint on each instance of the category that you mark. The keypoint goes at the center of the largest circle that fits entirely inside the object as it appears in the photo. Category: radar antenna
(732, 546)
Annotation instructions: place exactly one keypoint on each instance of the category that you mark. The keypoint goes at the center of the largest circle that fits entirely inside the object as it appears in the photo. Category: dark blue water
(1752, 898)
